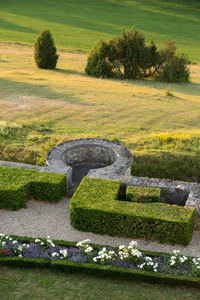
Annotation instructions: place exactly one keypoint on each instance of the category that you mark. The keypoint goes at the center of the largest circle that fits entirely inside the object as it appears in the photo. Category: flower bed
(123, 261)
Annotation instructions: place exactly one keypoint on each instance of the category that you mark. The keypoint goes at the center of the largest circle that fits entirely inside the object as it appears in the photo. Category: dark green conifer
(45, 51)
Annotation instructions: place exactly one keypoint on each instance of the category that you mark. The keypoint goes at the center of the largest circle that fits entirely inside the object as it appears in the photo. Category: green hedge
(124, 273)
(164, 165)
(94, 207)
(99, 270)
(143, 194)
(18, 185)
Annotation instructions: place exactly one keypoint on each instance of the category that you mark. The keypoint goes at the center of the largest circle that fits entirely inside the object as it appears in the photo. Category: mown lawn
(32, 284)
(78, 24)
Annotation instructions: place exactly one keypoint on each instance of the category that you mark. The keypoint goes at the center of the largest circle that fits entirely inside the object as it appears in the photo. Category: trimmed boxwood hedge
(18, 185)
(99, 270)
(94, 207)
(143, 194)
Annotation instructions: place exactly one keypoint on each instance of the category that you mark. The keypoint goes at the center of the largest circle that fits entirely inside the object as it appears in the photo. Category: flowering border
(100, 269)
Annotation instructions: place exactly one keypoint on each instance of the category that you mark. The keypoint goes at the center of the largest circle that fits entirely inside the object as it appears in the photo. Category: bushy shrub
(97, 65)
(45, 51)
(175, 70)
(129, 57)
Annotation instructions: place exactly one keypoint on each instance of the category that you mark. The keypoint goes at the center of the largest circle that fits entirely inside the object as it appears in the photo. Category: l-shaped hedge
(95, 207)
(18, 185)
(98, 270)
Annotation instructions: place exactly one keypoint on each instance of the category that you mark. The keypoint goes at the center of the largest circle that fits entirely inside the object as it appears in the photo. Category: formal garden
(99, 123)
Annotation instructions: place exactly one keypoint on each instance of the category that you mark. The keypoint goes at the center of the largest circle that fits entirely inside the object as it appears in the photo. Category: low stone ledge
(20, 165)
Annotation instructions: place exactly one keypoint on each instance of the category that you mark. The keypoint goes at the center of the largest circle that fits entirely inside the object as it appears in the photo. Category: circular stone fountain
(92, 157)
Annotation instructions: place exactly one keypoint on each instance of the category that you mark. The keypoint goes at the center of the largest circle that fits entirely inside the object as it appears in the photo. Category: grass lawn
(78, 24)
(32, 284)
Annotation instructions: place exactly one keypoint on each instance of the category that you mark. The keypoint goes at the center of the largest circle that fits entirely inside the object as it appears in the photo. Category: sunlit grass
(78, 24)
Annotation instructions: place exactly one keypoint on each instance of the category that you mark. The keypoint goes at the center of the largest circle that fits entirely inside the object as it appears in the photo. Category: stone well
(92, 157)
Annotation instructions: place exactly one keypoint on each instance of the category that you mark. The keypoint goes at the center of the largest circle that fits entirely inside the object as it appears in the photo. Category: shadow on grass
(14, 27)
(13, 88)
(69, 72)
(192, 89)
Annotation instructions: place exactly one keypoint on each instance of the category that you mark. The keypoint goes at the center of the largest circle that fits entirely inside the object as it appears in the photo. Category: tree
(128, 57)
(45, 51)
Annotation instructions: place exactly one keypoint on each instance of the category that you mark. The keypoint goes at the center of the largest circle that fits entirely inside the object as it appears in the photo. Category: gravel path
(40, 219)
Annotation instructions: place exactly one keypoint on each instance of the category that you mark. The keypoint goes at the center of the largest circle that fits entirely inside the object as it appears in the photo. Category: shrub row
(94, 207)
(143, 194)
(99, 270)
(167, 166)
(18, 185)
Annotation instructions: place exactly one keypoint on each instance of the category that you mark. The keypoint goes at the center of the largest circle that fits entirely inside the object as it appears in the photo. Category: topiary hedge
(94, 207)
(18, 185)
(143, 194)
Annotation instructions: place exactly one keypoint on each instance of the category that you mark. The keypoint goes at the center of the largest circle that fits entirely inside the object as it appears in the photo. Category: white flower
(54, 254)
(133, 244)
(121, 247)
(88, 249)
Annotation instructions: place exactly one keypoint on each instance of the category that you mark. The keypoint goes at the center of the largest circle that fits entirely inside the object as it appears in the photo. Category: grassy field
(78, 24)
(39, 108)
(23, 284)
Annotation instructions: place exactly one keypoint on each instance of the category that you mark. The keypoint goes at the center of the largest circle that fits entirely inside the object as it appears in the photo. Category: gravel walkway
(40, 219)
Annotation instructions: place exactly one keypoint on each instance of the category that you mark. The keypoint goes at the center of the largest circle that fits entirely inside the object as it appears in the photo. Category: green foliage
(143, 194)
(166, 166)
(97, 65)
(175, 70)
(123, 273)
(25, 262)
(94, 207)
(18, 185)
(45, 51)
(128, 57)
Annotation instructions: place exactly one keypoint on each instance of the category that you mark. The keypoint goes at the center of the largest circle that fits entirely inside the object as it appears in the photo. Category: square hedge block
(143, 194)
(95, 207)
(18, 185)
